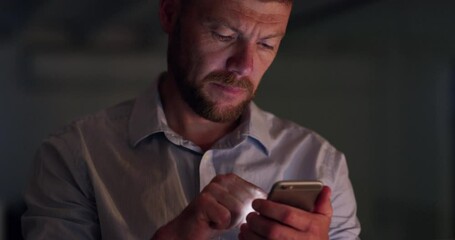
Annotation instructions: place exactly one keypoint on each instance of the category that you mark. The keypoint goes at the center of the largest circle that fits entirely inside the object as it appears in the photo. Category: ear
(169, 10)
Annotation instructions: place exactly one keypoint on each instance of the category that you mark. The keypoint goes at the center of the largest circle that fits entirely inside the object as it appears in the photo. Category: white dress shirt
(123, 173)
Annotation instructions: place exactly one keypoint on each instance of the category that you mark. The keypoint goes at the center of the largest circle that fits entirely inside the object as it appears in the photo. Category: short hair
(287, 2)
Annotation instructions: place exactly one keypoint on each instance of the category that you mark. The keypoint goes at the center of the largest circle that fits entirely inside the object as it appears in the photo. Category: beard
(181, 60)
(200, 102)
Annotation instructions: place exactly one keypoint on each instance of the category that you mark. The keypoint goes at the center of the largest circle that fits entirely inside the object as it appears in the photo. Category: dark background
(376, 78)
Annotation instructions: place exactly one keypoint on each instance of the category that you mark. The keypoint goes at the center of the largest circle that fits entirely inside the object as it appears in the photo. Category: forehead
(257, 10)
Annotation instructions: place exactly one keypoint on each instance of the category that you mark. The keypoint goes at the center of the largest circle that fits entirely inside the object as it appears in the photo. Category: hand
(222, 204)
(279, 221)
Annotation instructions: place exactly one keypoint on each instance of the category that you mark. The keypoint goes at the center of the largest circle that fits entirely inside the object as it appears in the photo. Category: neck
(184, 121)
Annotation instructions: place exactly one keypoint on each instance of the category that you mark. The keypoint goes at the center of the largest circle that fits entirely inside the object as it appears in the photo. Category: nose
(241, 61)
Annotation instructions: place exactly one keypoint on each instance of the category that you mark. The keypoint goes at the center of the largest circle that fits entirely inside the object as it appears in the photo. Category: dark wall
(374, 80)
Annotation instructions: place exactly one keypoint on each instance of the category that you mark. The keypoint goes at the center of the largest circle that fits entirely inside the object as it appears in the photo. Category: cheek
(211, 61)
(265, 59)
(200, 62)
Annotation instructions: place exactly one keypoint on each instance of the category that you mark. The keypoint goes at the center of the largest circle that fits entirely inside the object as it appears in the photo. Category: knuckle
(213, 188)
(209, 188)
(313, 228)
(288, 216)
(225, 179)
(319, 228)
(273, 232)
(204, 198)
(239, 206)
(225, 218)
(205, 190)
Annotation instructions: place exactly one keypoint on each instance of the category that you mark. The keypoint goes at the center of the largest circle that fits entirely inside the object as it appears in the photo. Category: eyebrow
(275, 35)
(208, 21)
(213, 21)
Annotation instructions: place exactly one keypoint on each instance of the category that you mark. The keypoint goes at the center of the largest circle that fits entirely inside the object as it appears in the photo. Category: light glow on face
(237, 37)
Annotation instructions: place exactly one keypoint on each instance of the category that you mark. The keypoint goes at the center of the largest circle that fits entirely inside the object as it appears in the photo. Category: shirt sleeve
(59, 198)
(344, 224)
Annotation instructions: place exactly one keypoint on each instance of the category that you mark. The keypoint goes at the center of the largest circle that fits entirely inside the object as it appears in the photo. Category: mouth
(229, 89)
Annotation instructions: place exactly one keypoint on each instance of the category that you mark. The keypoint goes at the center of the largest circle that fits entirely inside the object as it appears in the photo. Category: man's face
(220, 49)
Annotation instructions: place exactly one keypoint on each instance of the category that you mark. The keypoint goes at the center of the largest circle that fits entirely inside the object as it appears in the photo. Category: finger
(291, 216)
(228, 201)
(246, 189)
(247, 234)
(270, 229)
(240, 188)
(215, 214)
(245, 193)
(323, 205)
(225, 198)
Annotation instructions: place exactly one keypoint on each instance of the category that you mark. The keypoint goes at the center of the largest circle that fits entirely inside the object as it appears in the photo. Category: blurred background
(374, 77)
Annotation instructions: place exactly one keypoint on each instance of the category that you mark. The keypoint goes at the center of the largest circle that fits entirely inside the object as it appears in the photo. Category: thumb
(323, 205)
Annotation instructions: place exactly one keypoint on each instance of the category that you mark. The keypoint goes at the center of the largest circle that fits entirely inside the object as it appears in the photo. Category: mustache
(229, 79)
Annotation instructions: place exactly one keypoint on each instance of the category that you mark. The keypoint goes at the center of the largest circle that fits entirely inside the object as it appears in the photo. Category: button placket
(206, 169)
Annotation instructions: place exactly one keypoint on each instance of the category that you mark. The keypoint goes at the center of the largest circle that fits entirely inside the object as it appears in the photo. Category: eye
(266, 46)
(222, 38)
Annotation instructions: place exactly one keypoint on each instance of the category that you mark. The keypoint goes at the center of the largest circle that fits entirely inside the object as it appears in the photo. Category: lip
(229, 89)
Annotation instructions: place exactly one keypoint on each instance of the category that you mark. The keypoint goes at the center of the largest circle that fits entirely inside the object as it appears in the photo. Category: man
(193, 156)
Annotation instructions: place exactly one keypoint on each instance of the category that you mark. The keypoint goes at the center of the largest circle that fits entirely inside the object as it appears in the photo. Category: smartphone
(299, 194)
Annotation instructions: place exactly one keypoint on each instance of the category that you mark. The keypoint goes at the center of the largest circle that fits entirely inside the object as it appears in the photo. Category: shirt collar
(259, 127)
(147, 118)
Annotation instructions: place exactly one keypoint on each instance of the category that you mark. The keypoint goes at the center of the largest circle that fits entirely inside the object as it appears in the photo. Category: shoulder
(114, 117)
(80, 138)
(289, 132)
(91, 131)
(300, 151)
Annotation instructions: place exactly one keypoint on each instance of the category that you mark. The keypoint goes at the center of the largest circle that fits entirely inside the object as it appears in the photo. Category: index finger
(291, 216)
(239, 187)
